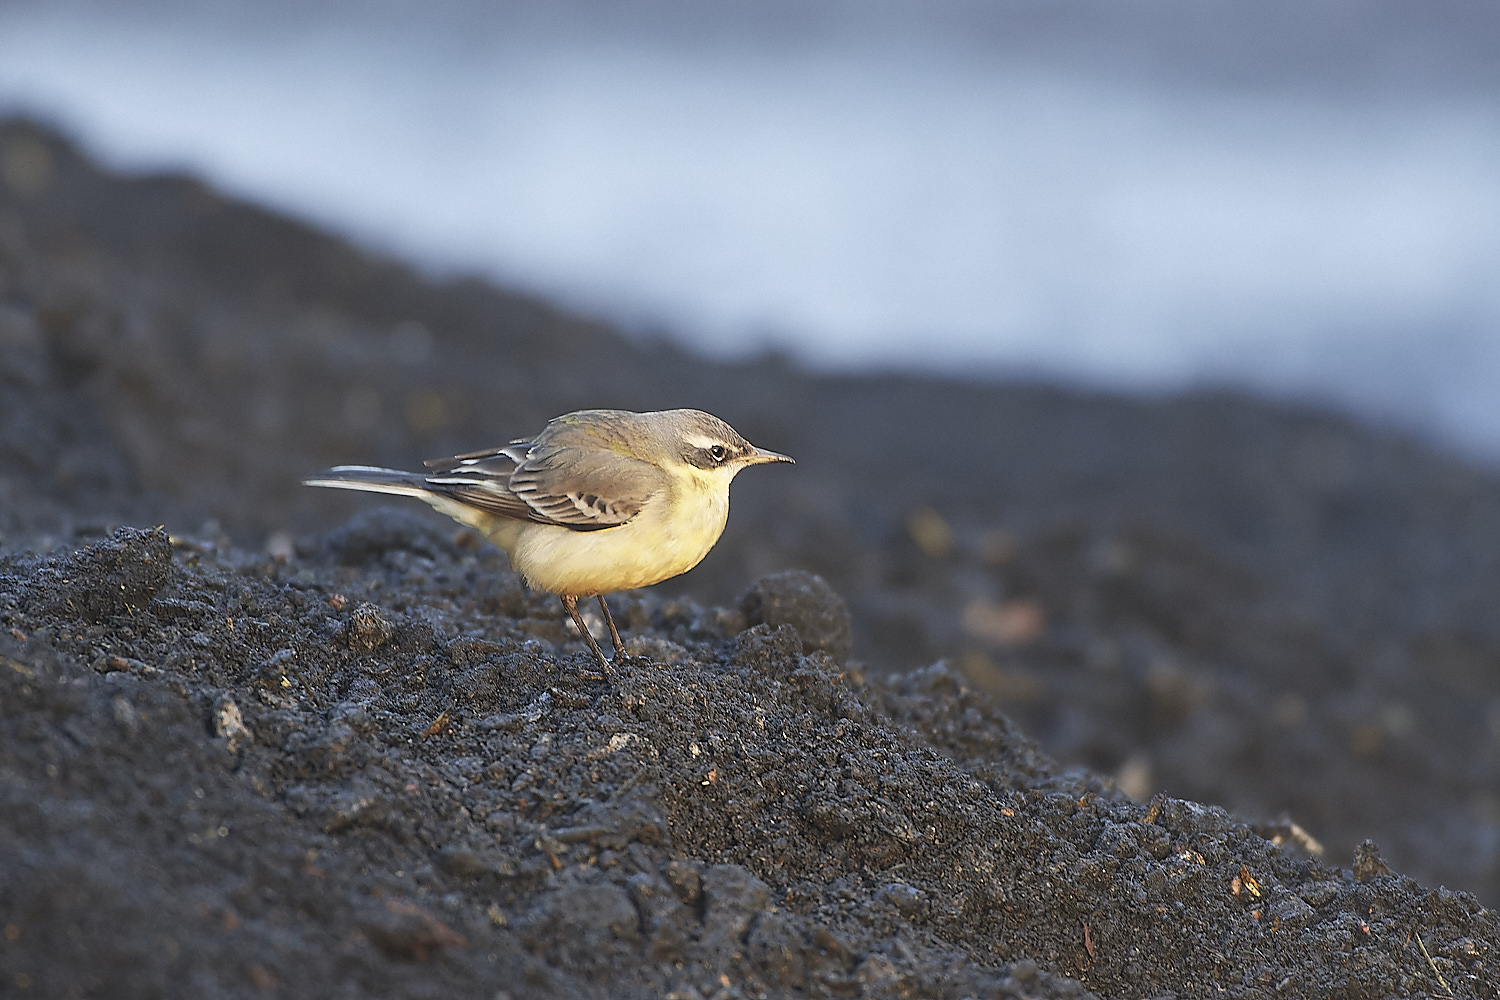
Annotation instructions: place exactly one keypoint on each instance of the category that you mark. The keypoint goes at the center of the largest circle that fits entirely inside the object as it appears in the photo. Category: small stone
(229, 725)
(806, 602)
(125, 714)
(107, 662)
(360, 805)
(1318, 893)
(732, 897)
(904, 898)
(1291, 909)
(1367, 863)
(507, 722)
(367, 629)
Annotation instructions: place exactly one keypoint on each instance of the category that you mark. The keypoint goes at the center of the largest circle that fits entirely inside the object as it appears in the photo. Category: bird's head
(706, 448)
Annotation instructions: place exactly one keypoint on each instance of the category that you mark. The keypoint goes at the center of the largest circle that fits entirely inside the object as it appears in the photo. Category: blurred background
(1140, 360)
(1300, 197)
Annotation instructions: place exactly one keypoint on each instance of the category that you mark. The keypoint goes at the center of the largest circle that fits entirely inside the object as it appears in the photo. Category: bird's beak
(761, 457)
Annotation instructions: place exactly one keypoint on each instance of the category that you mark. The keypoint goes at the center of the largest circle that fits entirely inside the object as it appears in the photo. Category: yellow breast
(669, 537)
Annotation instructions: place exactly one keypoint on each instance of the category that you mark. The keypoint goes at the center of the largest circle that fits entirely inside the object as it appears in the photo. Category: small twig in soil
(1430, 962)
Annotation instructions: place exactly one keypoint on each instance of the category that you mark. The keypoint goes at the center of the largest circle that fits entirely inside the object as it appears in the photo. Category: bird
(599, 501)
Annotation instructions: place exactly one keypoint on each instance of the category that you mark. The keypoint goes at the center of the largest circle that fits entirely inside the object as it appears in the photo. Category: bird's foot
(606, 665)
(614, 633)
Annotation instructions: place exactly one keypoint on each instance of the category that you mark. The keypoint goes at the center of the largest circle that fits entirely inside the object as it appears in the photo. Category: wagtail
(599, 501)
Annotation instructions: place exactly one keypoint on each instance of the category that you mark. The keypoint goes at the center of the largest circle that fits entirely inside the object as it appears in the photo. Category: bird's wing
(580, 488)
(509, 457)
(586, 488)
(481, 479)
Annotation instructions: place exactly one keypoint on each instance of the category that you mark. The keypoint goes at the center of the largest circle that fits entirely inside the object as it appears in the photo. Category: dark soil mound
(369, 762)
(385, 777)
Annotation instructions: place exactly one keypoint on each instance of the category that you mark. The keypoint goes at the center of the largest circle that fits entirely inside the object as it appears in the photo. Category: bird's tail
(372, 479)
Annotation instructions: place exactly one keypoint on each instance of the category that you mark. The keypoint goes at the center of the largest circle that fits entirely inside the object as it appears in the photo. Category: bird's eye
(719, 452)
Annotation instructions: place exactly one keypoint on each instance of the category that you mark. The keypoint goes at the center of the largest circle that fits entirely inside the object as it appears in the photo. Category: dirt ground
(297, 743)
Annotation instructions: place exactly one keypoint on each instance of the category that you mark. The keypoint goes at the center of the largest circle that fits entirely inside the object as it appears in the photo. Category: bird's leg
(614, 633)
(570, 602)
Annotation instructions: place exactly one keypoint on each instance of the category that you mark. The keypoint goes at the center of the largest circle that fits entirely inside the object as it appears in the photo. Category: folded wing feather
(580, 488)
